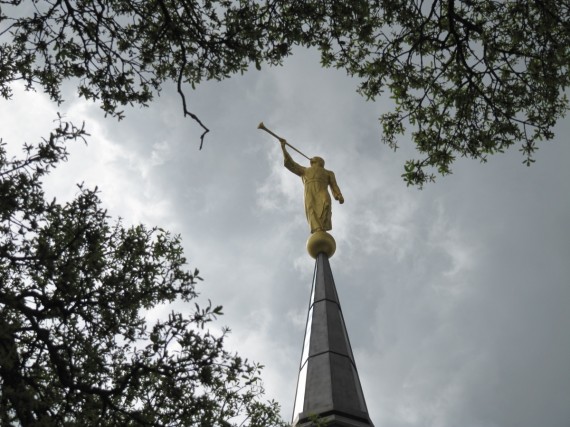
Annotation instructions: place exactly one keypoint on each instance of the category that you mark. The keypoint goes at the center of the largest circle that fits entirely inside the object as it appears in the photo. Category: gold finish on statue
(316, 179)
(318, 209)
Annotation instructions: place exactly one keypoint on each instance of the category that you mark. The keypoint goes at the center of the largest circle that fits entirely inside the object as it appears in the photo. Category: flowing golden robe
(316, 180)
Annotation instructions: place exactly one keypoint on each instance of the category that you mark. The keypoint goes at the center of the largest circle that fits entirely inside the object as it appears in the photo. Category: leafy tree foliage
(122, 52)
(471, 78)
(75, 347)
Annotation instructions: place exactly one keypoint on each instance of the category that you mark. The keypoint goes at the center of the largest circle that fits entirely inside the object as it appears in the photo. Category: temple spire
(328, 386)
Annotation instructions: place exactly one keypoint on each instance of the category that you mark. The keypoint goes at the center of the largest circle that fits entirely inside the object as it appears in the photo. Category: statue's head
(318, 161)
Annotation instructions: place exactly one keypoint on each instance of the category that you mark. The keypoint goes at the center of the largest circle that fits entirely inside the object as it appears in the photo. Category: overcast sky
(456, 297)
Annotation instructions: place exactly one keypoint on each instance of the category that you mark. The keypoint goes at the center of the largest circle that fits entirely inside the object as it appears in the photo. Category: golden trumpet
(262, 127)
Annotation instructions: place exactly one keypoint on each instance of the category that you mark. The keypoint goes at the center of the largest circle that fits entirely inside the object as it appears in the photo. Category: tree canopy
(75, 288)
(468, 78)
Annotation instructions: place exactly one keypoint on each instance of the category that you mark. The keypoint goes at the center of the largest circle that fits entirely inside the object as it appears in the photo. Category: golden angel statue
(316, 180)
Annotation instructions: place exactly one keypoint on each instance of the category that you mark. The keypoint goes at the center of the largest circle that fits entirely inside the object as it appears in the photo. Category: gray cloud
(455, 297)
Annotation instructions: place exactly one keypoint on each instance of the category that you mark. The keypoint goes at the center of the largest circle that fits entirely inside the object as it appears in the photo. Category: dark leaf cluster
(471, 78)
(122, 52)
(76, 288)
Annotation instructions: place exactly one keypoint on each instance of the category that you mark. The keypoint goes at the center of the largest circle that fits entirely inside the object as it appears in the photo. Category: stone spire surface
(328, 386)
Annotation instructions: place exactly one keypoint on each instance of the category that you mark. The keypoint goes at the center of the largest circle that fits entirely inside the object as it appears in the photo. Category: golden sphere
(321, 242)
